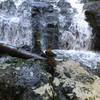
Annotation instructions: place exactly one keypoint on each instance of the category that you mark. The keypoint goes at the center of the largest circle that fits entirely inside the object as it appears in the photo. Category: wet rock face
(44, 26)
(8, 92)
(18, 77)
(62, 16)
(79, 86)
(64, 7)
(28, 80)
(22, 73)
(52, 32)
(93, 17)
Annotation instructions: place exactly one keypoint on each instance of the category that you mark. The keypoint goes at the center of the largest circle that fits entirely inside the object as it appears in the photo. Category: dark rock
(19, 77)
(30, 95)
(93, 17)
(8, 92)
(52, 32)
(21, 73)
(69, 90)
(45, 26)
(26, 47)
(92, 6)
(18, 83)
(64, 6)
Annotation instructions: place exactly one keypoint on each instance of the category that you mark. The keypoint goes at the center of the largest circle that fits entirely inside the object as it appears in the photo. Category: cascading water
(75, 33)
(78, 35)
(15, 26)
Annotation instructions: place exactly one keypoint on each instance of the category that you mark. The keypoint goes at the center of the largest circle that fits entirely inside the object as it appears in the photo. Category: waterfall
(15, 26)
(78, 36)
(75, 34)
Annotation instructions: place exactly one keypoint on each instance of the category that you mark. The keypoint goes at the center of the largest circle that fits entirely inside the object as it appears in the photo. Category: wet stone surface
(29, 80)
(93, 17)
(18, 77)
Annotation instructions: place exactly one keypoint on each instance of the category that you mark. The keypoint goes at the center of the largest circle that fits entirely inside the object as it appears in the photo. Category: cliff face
(93, 17)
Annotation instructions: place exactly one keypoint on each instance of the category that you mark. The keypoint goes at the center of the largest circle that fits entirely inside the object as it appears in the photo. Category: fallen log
(14, 52)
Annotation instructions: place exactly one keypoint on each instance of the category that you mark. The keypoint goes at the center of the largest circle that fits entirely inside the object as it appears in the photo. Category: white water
(79, 34)
(15, 29)
(15, 26)
(87, 58)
